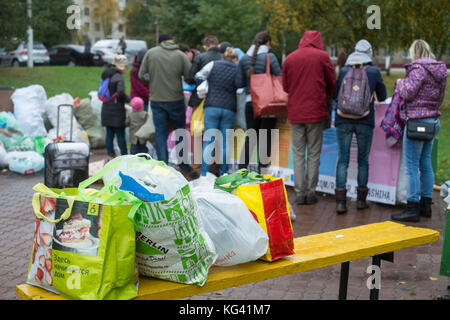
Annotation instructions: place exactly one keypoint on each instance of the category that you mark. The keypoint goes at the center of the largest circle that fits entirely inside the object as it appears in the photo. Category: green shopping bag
(445, 260)
(84, 244)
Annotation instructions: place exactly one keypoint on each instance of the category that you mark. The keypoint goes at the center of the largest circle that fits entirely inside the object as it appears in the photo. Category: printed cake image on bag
(81, 232)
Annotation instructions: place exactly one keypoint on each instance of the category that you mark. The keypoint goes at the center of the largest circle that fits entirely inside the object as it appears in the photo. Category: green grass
(79, 81)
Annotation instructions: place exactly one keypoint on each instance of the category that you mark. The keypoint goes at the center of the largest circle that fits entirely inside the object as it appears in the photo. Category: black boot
(425, 207)
(410, 214)
(341, 200)
(361, 203)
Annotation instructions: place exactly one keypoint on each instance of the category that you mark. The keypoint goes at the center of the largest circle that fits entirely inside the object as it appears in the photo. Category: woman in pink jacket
(422, 92)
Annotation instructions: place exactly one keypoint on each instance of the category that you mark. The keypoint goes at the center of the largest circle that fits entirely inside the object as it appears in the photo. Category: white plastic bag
(96, 104)
(237, 236)
(25, 162)
(28, 104)
(64, 119)
(202, 89)
(154, 178)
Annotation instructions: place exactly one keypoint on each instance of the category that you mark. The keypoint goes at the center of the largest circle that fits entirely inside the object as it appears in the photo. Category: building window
(120, 27)
(97, 27)
(333, 52)
(86, 12)
(86, 26)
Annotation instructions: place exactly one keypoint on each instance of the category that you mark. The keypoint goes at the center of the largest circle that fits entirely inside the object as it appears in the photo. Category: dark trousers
(118, 132)
(256, 124)
(163, 112)
(138, 148)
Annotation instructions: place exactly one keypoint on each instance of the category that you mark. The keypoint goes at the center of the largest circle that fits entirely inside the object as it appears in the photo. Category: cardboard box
(5, 99)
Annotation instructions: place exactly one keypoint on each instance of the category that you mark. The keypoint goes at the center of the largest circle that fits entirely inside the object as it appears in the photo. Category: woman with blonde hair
(220, 105)
(422, 92)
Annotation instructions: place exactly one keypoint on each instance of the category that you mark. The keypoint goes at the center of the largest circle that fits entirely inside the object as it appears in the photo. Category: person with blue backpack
(358, 84)
(113, 95)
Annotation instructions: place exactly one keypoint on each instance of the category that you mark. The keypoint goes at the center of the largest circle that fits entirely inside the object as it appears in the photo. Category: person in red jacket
(308, 77)
(138, 88)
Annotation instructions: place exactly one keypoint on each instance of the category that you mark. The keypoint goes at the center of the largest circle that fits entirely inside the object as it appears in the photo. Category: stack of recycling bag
(148, 220)
(25, 132)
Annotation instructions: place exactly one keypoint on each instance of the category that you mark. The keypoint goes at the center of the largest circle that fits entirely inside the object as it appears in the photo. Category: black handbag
(419, 130)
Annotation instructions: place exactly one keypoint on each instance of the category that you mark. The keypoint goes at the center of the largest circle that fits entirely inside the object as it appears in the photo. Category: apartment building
(93, 27)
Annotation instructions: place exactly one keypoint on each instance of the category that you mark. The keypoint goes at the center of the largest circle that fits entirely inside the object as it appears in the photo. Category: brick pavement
(408, 278)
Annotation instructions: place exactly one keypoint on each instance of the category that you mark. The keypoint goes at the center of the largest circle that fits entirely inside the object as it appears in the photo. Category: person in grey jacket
(113, 114)
(166, 66)
(254, 62)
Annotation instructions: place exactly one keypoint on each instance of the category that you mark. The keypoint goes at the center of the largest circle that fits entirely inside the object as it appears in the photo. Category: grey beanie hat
(363, 53)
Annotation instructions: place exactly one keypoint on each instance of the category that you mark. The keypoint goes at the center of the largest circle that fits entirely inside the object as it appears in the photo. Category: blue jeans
(163, 112)
(364, 136)
(219, 119)
(418, 168)
(120, 134)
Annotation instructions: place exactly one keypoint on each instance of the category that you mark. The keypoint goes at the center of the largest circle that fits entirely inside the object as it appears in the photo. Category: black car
(73, 55)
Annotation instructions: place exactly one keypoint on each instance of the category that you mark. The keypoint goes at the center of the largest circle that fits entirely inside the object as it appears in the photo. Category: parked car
(73, 55)
(19, 57)
(110, 47)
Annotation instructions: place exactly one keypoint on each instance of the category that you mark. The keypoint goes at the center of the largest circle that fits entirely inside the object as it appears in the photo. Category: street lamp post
(30, 36)
(157, 30)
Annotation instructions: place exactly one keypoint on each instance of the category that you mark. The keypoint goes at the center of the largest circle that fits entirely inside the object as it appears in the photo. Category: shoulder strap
(268, 63)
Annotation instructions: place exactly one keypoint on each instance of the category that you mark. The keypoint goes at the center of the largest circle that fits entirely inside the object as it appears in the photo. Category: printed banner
(384, 162)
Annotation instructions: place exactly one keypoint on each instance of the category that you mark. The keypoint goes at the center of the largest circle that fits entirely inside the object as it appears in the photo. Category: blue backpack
(103, 91)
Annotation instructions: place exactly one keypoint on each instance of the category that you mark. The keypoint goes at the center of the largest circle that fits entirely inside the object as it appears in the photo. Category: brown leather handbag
(268, 96)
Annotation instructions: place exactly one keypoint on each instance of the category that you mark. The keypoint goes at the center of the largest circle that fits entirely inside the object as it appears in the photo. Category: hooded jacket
(423, 88)
(113, 113)
(308, 77)
(362, 54)
(138, 88)
(166, 65)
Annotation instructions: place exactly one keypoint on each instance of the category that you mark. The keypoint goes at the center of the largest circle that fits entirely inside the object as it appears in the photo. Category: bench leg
(374, 292)
(343, 284)
(376, 261)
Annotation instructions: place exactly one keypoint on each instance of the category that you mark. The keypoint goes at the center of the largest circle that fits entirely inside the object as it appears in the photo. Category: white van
(110, 47)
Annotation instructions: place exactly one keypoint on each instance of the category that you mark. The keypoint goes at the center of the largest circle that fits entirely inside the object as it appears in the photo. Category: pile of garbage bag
(32, 125)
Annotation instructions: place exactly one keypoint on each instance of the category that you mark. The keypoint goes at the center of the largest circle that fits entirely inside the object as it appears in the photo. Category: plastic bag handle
(238, 178)
(42, 189)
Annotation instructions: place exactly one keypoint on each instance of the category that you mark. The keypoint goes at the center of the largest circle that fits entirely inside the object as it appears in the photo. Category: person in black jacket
(254, 62)
(220, 106)
(212, 53)
(113, 113)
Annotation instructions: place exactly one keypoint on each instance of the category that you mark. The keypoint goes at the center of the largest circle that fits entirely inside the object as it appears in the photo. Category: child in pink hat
(135, 120)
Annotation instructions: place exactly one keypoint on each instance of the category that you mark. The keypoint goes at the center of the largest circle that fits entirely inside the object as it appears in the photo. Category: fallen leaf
(401, 282)
(219, 293)
(432, 278)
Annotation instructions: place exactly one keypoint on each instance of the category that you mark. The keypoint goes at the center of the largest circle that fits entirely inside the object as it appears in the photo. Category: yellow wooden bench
(378, 240)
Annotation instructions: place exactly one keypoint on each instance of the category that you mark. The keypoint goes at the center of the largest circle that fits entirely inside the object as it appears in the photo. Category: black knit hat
(164, 37)
(224, 45)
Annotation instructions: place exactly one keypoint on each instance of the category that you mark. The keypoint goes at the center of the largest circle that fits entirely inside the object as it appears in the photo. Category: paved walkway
(414, 274)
